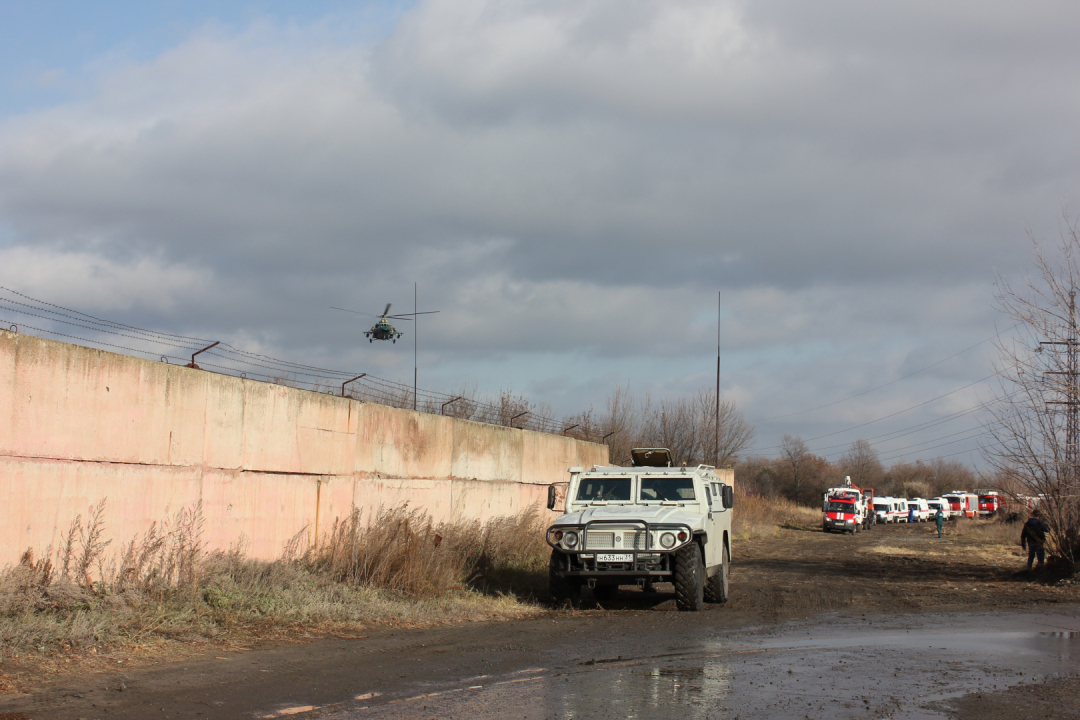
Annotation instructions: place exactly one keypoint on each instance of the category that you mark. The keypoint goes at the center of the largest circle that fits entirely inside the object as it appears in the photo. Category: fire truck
(963, 503)
(847, 508)
(990, 502)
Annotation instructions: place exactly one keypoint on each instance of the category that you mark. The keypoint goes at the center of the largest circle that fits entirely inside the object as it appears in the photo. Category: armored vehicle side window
(667, 489)
(604, 489)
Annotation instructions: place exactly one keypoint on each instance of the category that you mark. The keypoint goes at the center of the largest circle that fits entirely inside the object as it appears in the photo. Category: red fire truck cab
(990, 502)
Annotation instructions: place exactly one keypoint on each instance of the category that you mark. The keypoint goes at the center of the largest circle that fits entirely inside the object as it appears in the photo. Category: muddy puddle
(835, 667)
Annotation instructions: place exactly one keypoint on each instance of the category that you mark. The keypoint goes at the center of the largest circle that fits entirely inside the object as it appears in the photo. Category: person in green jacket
(939, 518)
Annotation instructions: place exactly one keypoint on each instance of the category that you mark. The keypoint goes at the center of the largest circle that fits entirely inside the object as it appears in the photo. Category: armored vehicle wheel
(562, 589)
(689, 578)
(605, 593)
(716, 587)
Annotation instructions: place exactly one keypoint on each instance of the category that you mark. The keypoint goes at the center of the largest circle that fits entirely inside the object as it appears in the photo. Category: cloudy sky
(570, 183)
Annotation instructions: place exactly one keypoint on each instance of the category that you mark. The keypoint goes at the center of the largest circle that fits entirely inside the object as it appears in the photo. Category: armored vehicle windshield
(664, 489)
(604, 489)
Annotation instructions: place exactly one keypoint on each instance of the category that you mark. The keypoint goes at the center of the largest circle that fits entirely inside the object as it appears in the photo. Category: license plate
(622, 557)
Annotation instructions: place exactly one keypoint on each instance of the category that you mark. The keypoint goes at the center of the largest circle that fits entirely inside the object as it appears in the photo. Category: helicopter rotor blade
(406, 316)
(387, 310)
(354, 312)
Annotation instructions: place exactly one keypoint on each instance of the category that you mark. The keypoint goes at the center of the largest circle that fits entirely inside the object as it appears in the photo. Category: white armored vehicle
(650, 522)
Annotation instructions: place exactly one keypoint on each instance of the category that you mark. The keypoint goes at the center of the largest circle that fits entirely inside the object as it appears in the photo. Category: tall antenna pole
(1072, 429)
(716, 420)
(416, 324)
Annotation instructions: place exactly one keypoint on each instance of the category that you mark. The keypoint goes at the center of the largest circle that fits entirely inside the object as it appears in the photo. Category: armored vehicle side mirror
(729, 497)
(551, 497)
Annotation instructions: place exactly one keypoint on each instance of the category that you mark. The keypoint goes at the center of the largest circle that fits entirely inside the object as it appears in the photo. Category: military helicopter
(383, 330)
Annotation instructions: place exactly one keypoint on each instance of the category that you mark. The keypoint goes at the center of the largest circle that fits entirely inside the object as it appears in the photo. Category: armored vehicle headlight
(570, 539)
(667, 540)
(558, 535)
(682, 535)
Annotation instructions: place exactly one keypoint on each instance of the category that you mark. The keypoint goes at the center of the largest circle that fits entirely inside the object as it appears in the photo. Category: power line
(977, 433)
(912, 429)
(896, 380)
(894, 414)
(942, 457)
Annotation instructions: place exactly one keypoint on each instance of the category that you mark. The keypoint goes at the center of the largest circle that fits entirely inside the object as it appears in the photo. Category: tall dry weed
(399, 551)
(760, 516)
(404, 551)
(166, 559)
(506, 554)
(91, 549)
(402, 566)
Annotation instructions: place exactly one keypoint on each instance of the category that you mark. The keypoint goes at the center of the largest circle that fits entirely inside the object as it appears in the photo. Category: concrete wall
(79, 424)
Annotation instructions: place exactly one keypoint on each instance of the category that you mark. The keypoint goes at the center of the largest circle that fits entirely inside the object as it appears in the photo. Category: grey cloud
(571, 180)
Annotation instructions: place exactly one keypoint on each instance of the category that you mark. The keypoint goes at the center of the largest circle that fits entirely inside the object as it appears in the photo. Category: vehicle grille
(631, 540)
(600, 541)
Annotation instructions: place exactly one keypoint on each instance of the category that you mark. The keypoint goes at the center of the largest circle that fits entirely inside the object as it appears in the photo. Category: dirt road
(807, 611)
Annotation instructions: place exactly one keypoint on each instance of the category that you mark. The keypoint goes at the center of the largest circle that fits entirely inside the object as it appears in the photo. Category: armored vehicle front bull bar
(590, 566)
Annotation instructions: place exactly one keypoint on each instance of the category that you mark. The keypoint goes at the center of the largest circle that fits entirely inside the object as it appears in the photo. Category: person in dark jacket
(1033, 538)
(939, 518)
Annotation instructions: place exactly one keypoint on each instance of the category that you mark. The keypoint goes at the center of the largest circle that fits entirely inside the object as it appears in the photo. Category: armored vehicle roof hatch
(651, 457)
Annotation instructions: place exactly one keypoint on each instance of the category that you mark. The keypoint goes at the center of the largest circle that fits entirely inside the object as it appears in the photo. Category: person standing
(939, 518)
(910, 513)
(1033, 539)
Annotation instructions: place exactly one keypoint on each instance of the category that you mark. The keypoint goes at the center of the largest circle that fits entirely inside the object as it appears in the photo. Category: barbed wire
(59, 321)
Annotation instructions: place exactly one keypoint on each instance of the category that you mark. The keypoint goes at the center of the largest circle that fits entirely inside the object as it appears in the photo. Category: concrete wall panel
(402, 443)
(486, 452)
(546, 456)
(265, 509)
(268, 462)
(222, 404)
(183, 399)
(45, 496)
(430, 495)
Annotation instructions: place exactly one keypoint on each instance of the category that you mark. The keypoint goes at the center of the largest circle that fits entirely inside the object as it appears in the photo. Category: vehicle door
(715, 522)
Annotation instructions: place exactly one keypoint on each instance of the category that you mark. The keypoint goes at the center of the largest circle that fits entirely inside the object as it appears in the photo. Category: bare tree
(862, 464)
(676, 426)
(1033, 423)
(620, 424)
(795, 455)
(685, 424)
(735, 434)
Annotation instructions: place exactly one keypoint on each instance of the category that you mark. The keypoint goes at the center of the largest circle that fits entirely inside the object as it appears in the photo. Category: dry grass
(983, 542)
(401, 569)
(759, 516)
(984, 532)
(403, 551)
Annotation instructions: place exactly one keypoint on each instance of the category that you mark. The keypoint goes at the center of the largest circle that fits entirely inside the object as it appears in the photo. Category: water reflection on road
(815, 671)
